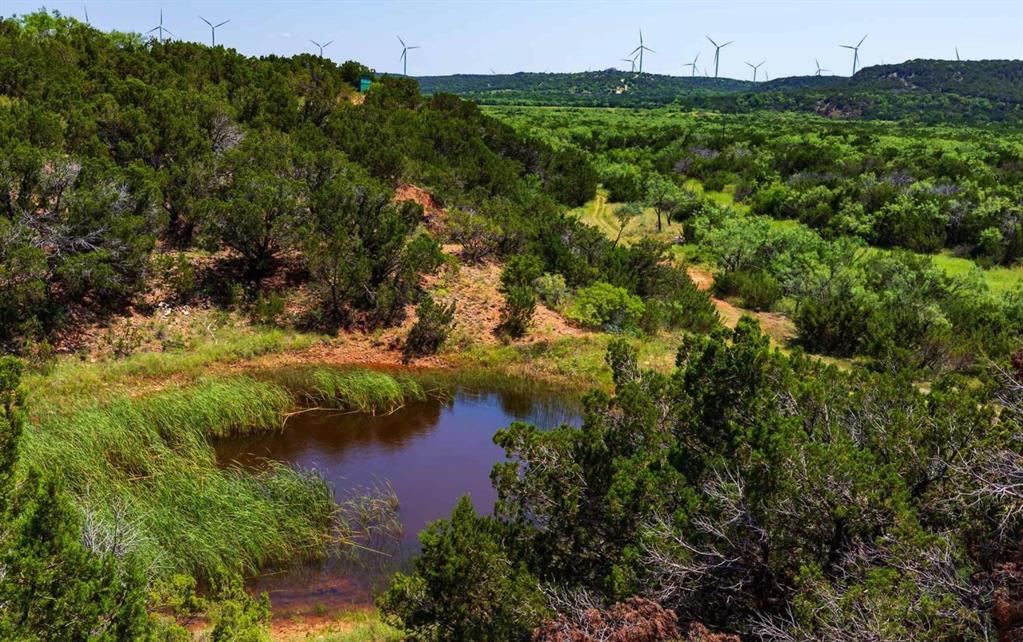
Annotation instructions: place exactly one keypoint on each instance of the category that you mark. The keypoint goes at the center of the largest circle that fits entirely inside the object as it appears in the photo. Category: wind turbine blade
(400, 40)
(696, 58)
(712, 41)
(847, 46)
(169, 31)
(861, 40)
(649, 49)
(224, 23)
(329, 42)
(314, 42)
(727, 43)
(634, 51)
(206, 21)
(416, 47)
(153, 29)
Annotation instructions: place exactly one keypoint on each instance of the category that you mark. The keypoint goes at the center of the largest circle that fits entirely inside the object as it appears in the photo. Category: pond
(430, 452)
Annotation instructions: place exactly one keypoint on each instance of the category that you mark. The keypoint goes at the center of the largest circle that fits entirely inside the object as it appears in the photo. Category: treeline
(114, 149)
(926, 91)
(761, 494)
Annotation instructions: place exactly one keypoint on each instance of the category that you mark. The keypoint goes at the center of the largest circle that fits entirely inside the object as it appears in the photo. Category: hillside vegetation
(192, 241)
(917, 90)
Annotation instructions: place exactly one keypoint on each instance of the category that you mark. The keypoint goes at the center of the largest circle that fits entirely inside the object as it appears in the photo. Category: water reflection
(430, 452)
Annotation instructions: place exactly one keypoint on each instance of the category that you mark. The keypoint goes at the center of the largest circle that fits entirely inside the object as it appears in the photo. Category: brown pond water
(431, 453)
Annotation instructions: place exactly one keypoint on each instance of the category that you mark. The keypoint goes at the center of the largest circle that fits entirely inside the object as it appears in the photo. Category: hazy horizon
(507, 37)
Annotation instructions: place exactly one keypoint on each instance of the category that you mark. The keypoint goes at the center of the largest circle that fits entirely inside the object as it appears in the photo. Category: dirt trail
(777, 326)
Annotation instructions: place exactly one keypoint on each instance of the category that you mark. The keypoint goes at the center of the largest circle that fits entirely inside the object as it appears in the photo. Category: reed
(359, 390)
(144, 472)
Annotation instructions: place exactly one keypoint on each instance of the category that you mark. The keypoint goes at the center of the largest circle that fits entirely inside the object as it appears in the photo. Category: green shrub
(757, 289)
(463, 585)
(479, 236)
(517, 313)
(521, 271)
(267, 309)
(175, 273)
(430, 329)
(991, 245)
(606, 307)
(836, 323)
(551, 289)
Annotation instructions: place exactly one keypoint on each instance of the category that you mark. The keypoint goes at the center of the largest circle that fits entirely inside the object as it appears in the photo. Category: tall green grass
(144, 471)
(365, 391)
(69, 378)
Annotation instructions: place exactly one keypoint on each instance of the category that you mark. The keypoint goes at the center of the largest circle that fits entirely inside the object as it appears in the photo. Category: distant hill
(923, 90)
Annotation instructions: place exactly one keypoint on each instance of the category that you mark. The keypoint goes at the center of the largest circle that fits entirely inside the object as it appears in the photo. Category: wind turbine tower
(321, 47)
(717, 53)
(755, 68)
(692, 65)
(213, 29)
(640, 49)
(404, 55)
(856, 52)
(160, 29)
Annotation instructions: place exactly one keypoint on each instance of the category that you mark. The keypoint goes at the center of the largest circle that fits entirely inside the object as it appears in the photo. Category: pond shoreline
(426, 453)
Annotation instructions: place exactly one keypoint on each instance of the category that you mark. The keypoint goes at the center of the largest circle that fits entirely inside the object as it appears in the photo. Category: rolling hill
(922, 90)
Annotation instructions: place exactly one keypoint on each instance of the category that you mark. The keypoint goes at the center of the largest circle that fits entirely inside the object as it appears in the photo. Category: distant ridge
(923, 90)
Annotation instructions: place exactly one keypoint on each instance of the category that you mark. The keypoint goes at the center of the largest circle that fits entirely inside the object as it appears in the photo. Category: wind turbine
(321, 47)
(632, 63)
(86, 10)
(856, 52)
(213, 29)
(755, 68)
(717, 53)
(958, 59)
(820, 69)
(160, 28)
(692, 65)
(404, 55)
(640, 49)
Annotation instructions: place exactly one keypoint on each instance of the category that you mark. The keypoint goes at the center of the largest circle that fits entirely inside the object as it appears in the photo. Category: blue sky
(475, 37)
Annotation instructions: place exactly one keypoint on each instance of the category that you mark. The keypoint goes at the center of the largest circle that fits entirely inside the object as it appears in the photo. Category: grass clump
(144, 473)
(365, 391)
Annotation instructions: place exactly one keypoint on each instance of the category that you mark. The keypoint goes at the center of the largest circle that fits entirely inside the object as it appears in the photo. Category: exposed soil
(777, 326)
(433, 211)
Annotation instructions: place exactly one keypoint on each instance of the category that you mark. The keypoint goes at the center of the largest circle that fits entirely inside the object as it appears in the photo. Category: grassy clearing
(70, 378)
(600, 214)
(145, 475)
(1000, 280)
(573, 363)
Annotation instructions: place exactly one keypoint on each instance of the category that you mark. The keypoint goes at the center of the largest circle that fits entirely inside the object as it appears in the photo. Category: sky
(566, 35)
